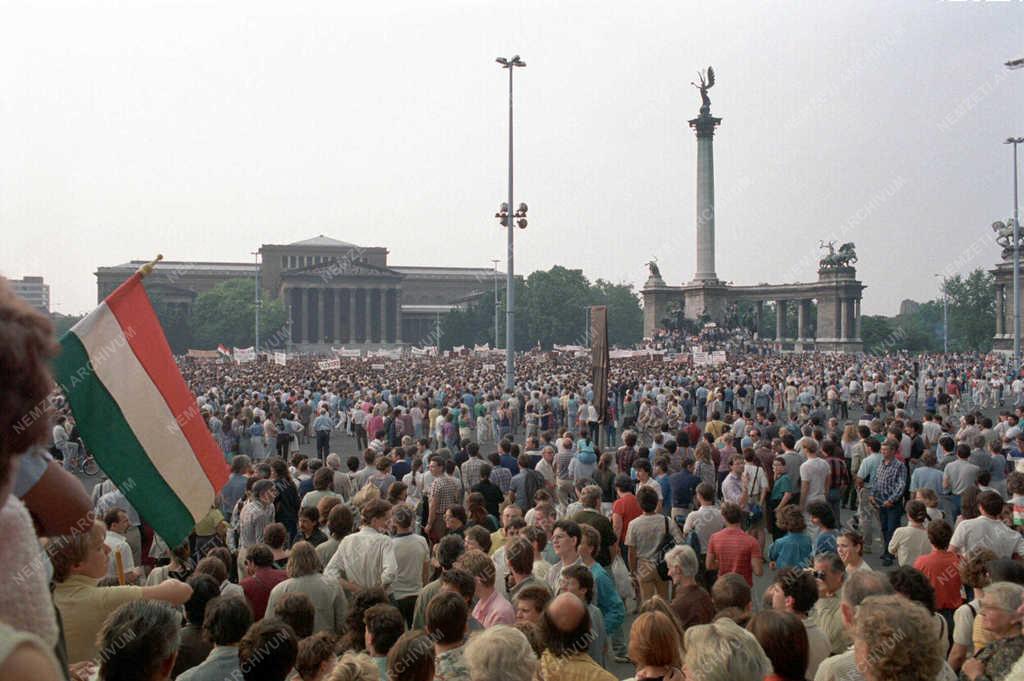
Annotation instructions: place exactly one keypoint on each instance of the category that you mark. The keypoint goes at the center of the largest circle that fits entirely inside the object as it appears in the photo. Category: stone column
(383, 314)
(321, 320)
(1000, 298)
(856, 319)
(304, 328)
(844, 316)
(801, 320)
(758, 315)
(336, 300)
(351, 315)
(366, 315)
(704, 126)
(780, 319)
(286, 294)
(398, 314)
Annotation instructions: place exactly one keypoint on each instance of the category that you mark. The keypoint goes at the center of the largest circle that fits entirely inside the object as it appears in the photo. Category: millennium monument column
(705, 296)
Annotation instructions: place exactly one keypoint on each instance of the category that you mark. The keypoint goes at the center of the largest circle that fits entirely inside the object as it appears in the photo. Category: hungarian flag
(137, 416)
(224, 352)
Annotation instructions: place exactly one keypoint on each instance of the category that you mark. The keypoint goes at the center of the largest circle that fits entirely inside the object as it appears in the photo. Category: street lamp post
(510, 294)
(495, 261)
(945, 317)
(256, 258)
(1016, 262)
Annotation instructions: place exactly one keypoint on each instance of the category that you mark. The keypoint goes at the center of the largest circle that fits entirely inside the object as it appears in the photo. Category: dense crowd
(423, 521)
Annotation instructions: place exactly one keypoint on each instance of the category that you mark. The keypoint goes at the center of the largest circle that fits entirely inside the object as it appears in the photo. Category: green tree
(972, 316)
(625, 317)
(226, 314)
(177, 327)
(555, 307)
(62, 323)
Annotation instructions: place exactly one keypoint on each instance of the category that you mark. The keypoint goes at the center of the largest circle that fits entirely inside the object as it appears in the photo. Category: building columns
(1000, 306)
(321, 318)
(304, 325)
(336, 305)
(367, 327)
(844, 316)
(351, 330)
(801, 320)
(856, 319)
(780, 319)
(382, 305)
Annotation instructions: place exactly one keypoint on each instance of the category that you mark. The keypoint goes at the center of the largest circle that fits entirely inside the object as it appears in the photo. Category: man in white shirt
(117, 524)
(987, 531)
(366, 559)
(815, 475)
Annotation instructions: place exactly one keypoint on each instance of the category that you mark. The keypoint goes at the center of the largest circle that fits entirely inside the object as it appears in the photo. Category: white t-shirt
(988, 533)
(815, 473)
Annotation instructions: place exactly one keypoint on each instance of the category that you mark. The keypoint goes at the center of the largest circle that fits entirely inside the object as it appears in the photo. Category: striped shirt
(252, 521)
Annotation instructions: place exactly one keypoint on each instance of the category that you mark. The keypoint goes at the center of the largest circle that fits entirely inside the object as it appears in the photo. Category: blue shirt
(683, 485)
(607, 599)
(926, 477)
(666, 494)
(826, 542)
(792, 550)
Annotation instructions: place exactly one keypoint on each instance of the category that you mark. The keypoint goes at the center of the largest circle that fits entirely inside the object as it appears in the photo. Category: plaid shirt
(471, 471)
(840, 473)
(444, 493)
(502, 477)
(890, 481)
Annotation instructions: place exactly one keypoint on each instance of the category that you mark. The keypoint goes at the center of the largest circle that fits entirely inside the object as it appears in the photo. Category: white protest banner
(280, 358)
(243, 355)
(488, 367)
(482, 348)
(347, 353)
(700, 358)
(329, 364)
(378, 367)
(718, 357)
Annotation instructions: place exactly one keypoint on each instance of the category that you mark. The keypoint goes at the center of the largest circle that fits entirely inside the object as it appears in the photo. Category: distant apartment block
(34, 291)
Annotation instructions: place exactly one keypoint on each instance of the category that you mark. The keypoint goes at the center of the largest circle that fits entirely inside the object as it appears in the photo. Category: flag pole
(146, 269)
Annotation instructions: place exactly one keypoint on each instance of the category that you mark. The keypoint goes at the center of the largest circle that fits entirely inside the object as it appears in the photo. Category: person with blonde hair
(304, 577)
(723, 651)
(500, 653)
(889, 640)
(354, 667)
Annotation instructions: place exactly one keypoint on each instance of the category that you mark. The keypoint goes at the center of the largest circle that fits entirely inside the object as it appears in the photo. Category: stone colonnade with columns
(1003, 275)
(344, 314)
(837, 293)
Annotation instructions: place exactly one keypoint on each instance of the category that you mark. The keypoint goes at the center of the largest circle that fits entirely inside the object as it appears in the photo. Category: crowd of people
(423, 522)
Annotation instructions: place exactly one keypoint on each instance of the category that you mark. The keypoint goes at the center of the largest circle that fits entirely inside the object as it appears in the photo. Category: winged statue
(707, 81)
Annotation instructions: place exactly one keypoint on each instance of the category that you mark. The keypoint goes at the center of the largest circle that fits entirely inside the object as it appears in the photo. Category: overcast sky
(203, 129)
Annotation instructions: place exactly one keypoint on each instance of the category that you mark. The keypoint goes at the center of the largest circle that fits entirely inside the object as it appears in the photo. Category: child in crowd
(793, 549)
(910, 542)
(930, 499)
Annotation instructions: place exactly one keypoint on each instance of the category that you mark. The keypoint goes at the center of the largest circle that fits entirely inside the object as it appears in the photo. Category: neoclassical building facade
(336, 293)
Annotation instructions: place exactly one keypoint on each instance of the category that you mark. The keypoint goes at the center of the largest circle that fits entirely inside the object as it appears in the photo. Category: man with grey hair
(860, 585)
(139, 642)
(500, 653)
(692, 603)
(723, 651)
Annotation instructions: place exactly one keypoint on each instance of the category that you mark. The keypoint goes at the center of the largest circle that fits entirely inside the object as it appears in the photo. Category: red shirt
(257, 589)
(627, 507)
(734, 549)
(942, 570)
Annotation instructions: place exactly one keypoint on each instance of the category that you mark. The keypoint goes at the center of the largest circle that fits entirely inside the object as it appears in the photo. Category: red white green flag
(136, 414)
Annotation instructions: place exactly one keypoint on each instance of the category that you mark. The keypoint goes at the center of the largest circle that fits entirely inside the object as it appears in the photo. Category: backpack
(533, 482)
(666, 545)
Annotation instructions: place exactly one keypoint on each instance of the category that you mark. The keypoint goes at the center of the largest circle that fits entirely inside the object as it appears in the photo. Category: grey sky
(201, 130)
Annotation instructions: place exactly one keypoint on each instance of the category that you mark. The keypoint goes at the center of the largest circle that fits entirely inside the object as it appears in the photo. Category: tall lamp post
(945, 316)
(1016, 261)
(495, 261)
(256, 258)
(510, 294)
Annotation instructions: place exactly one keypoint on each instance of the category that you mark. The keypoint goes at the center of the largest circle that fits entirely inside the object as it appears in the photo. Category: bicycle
(85, 465)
